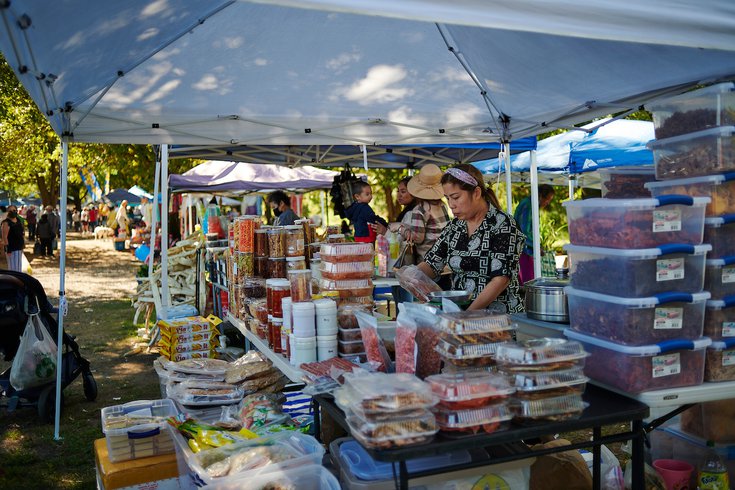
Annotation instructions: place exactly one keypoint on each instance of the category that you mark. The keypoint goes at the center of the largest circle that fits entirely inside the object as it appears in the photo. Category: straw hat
(427, 183)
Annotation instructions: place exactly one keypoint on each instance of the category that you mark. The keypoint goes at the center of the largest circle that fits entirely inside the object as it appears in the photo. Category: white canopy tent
(201, 72)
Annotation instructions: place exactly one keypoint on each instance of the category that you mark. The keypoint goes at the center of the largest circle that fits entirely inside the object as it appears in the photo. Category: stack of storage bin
(694, 153)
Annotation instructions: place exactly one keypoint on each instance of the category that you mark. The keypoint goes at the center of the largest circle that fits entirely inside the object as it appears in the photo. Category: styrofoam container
(309, 477)
(705, 152)
(719, 364)
(720, 188)
(719, 231)
(638, 272)
(626, 182)
(635, 369)
(719, 318)
(636, 223)
(637, 321)
(141, 440)
(719, 277)
(699, 109)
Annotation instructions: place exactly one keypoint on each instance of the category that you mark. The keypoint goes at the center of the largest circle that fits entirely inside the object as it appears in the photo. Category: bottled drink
(712, 472)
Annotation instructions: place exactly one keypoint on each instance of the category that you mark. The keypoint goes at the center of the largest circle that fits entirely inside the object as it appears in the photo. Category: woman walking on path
(12, 239)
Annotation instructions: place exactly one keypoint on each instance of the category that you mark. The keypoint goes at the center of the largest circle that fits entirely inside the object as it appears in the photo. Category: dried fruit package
(374, 346)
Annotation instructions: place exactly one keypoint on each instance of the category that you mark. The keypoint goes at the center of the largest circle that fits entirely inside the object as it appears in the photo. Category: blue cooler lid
(360, 464)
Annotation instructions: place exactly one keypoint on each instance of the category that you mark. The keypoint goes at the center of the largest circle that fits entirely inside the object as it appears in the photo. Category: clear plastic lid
(538, 381)
(380, 391)
(210, 367)
(455, 387)
(556, 407)
(475, 418)
(347, 270)
(455, 348)
(202, 393)
(464, 322)
(342, 249)
(391, 433)
(716, 179)
(333, 285)
(642, 203)
(540, 351)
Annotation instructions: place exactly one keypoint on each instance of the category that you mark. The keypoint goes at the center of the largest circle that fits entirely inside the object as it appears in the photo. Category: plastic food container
(300, 281)
(261, 241)
(462, 391)
(276, 290)
(719, 231)
(694, 111)
(303, 350)
(346, 252)
(380, 392)
(719, 363)
(457, 347)
(260, 266)
(719, 318)
(253, 287)
(138, 429)
(275, 328)
(349, 288)
(719, 277)
(665, 365)
(205, 393)
(552, 409)
(538, 384)
(637, 321)
(626, 182)
(347, 270)
(277, 268)
(418, 429)
(473, 421)
(326, 347)
(295, 241)
(295, 263)
(544, 354)
(349, 335)
(351, 347)
(689, 155)
(638, 272)
(277, 243)
(303, 321)
(473, 322)
(636, 223)
(346, 318)
(719, 188)
(244, 265)
(309, 477)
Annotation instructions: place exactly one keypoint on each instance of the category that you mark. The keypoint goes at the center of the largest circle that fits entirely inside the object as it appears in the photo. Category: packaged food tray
(636, 223)
(350, 347)
(719, 232)
(720, 188)
(480, 355)
(637, 321)
(635, 369)
(347, 270)
(626, 182)
(204, 393)
(638, 272)
(349, 334)
(375, 392)
(346, 289)
(474, 322)
(540, 384)
(309, 477)
(719, 318)
(542, 354)
(719, 277)
(395, 433)
(697, 110)
(346, 252)
(551, 409)
(486, 419)
(719, 364)
(469, 390)
(138, 429)
(706, 152)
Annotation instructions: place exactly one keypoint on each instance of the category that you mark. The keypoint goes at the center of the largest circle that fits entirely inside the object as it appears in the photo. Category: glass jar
(300, 284)
(295, 263)
(294, 241)
(277, 268)
(277, 242)
(261, 242)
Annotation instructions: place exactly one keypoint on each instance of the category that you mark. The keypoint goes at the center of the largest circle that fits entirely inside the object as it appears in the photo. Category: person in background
(524, 219)
(32, 220)
(68, 219)
(46, 235)
(76, 219)
(85, 220)
(53, 218)
(147, 211)
(104, 213)
(362, 215)
(12, 234)
(281, 206)
(3, 213)
(93, 215)
(481, 245)
(121, 218)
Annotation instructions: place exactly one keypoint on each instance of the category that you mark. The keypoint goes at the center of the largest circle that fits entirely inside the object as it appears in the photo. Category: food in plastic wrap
(376, 392)
(474, 322)
(539, 384)
(550, 409)
(374, 346)
(347, 270)
(209, 367)
(230, 459)
(260, 410)
(413, 280)
(543, 354)
(346, 289)
(197, 392)
(428, 360)
(469, 390)
(486, 419)
(346, 252)
(185, 325)
(395, 433)
(204, 437)
(346, 318)
(405, 345)
(349, 335)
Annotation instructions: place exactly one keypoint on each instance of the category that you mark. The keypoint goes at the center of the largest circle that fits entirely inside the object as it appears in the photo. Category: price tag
(670, 269)
(666, 220)
(668, 318)
(728, 329)
(728, 274)
(728, 357)
(666, 365)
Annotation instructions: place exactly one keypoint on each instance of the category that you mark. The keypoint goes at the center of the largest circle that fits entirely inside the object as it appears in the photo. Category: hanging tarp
(119, 195)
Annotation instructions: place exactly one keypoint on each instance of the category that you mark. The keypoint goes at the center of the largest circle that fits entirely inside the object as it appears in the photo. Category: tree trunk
(391, 205)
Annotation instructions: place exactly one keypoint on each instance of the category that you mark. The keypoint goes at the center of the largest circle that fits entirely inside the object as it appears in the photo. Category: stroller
(21, 295)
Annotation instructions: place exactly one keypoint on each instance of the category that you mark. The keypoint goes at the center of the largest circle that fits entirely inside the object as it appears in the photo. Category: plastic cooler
(694, 111)
(635, 369)
(702, 153)
(719, 364)
(719, 318)
(637, 321)
(148, 438)
(636, 223)
(719, 277)
(638, 272)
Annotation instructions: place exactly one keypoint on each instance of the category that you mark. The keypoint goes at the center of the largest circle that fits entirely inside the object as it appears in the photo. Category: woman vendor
(482, 244)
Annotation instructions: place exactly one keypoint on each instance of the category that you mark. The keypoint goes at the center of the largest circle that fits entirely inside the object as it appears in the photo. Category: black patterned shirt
(492, 250)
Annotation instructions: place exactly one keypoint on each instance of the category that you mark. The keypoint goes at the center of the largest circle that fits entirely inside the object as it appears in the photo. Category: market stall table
(605, 408)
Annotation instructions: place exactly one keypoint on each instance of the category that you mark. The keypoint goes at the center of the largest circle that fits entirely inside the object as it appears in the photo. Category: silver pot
(546, 301)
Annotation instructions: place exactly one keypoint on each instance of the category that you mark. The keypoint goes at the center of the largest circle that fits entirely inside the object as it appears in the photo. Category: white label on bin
(670, 269)
(666, 365)
(728, 329)
(728, 274)
(728, 357)
(666, 220)
(668, 318)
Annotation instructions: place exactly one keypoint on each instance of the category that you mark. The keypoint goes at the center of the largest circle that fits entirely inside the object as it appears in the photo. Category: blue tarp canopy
(119, 195)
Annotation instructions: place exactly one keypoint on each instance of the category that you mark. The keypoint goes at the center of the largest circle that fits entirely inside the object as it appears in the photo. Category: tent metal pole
(508, 177)
(62, 282)
(572, 180)
(535, 221)
(154, 225)
(165, 297)
(323, 205)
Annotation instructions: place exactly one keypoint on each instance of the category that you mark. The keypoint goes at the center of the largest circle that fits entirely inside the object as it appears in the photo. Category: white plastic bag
(35, 361)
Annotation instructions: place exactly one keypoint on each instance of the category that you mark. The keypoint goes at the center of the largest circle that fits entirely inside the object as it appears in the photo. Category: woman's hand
(378, 228)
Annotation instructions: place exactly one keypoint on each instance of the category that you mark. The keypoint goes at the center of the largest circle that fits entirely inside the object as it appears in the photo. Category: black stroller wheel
(47, 403)
(90, 386)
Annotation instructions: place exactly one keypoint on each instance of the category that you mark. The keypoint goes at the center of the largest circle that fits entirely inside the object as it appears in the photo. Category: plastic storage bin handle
(728, 218)
(729, 260)
(674, 297)
(669, 199)
(679, 344)
(143, 435)
(728, 343)
(676, 248)
(728, 176)
(729, 301)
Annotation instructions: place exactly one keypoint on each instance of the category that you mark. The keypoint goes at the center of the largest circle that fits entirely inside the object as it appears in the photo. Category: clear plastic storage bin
(719, 277)
(707, 152)
(719, 318)
(719, 188)
(694, 111)
(670, 364)
(138, 429)
(626, 182)
(636, 223)
(719, 231)
(637, 321)
(719, 364)
(638, 272)
(309, 477)
(711, 421)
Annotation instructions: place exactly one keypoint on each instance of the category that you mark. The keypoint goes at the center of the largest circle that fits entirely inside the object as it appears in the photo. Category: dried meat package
(428, 360)
(374, 346)
(405, 343)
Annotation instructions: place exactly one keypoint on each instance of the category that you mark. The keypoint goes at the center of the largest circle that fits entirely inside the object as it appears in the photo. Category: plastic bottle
(712, 472)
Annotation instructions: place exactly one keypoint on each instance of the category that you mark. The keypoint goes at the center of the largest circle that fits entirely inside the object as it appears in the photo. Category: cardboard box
(154, 473)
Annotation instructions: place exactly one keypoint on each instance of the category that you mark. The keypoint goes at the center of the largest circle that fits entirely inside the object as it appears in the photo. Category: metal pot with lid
(546, 300)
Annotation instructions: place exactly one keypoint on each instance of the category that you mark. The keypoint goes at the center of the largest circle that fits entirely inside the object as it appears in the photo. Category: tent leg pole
(508, 178)
(165, 296)
(535, 221)
(62, 283)
(154, 226)
(572, 185)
